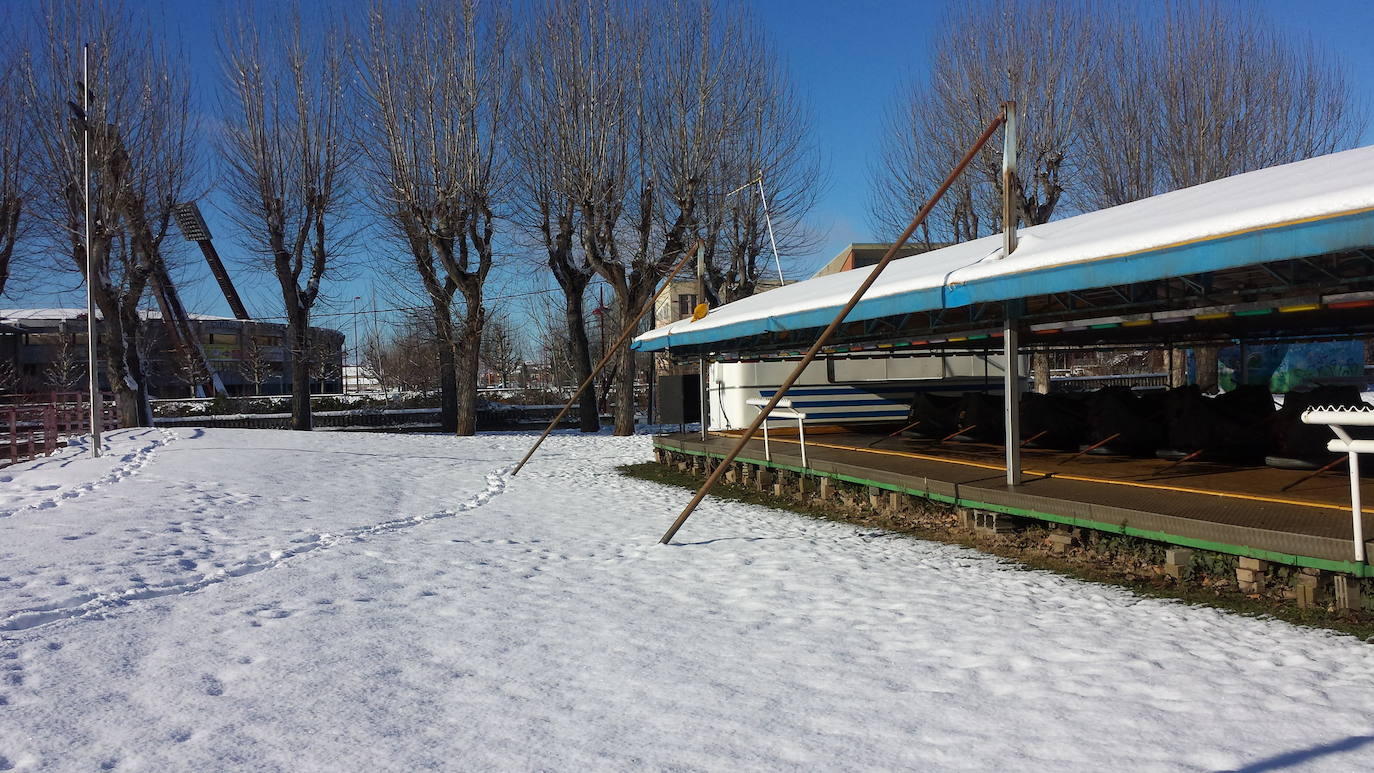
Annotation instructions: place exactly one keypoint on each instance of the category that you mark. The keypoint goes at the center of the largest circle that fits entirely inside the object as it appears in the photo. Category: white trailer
(848, 389)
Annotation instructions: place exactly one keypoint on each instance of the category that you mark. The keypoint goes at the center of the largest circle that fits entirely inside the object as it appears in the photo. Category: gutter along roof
(1312, 207)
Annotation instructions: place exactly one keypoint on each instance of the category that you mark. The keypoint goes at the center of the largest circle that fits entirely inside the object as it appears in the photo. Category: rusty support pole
(831, 328)
(608, 355)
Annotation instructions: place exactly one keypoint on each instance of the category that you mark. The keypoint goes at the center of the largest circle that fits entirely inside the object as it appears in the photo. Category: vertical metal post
(705, 364)
(1009, 198)
(1356, 511)
(704, 394)
(1011, 400)
(1011, 388)
(92, 371)
(767, 452)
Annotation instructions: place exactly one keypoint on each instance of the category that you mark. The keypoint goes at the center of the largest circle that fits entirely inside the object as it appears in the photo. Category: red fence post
(49, 428)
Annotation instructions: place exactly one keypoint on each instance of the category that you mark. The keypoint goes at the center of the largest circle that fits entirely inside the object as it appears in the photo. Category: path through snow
(285, 601)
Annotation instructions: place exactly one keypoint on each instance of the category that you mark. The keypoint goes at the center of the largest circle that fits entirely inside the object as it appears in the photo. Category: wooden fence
(36, 425)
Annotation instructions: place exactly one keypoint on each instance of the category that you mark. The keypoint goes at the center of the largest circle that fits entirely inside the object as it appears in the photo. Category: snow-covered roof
(54, 315)
(1311, 207)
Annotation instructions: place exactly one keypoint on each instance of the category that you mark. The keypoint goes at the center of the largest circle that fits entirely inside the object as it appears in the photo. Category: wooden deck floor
(1243, 510)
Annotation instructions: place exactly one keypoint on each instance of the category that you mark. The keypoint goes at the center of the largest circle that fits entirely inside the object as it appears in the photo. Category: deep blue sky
(848, 59)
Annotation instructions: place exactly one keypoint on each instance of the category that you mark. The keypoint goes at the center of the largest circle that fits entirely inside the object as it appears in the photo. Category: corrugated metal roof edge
(1278, 241)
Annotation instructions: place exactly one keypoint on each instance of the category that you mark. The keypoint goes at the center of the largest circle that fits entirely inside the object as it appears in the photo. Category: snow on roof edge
(1319, 188)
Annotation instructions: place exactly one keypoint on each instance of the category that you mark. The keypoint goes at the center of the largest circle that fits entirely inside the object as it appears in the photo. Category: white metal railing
(1337, 419)
(783, 410)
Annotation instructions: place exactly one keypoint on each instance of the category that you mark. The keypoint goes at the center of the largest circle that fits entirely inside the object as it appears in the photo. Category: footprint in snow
(212, 685)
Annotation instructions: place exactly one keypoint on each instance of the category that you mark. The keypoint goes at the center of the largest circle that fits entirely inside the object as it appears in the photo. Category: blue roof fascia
(1280, 242)
(1285, 242)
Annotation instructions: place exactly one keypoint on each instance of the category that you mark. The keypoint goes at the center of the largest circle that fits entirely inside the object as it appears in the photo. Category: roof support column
(1011, 369)
(704, 396)
(1011, 397)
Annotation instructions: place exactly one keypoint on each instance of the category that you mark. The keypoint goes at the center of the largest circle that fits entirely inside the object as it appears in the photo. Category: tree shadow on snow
(1302, 756)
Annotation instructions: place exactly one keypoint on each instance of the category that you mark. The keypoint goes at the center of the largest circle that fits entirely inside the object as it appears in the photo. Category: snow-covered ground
(225, 599)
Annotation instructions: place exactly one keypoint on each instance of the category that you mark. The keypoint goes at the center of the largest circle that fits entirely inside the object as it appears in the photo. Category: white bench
(1344, 444)
(783, 410)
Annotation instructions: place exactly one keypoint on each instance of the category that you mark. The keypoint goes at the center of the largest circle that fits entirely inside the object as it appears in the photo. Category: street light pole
(357, 351)
(91, 369)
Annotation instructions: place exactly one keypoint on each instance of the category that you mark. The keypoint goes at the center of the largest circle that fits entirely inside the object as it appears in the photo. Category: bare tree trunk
(579, 351)
(298, 331)
(448, 373)
(1040, 371)
(1178, 367)
(1206, 366)
(624, 409)
(467, 351)
(288, 163)
(118, 357)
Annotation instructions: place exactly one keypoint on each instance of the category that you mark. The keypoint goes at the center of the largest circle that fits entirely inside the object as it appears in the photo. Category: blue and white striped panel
(878, 402)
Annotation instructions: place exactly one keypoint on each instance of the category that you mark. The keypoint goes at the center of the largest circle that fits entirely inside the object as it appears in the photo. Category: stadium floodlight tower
(193, 227)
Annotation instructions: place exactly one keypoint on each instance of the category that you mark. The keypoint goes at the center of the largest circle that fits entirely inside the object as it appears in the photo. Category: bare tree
(14, 156)
(254, 364)
(502, 351)
(765, 180)
(67, 368)
(324, 362)
(9, 377)
(287, 162)
(373, 361)
(1237, 94)
(408, 361)
(142, 160)
(188, 369)
(683, 101)
(1114, 108)
(436, 79)
(575, 94)
(1042, 54)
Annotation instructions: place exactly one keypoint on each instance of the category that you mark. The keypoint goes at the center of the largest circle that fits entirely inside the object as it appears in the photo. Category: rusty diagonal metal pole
(834, 325)
(610, 353)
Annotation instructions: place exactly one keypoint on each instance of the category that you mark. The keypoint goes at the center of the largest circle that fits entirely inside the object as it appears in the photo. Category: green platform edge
(1344, 567)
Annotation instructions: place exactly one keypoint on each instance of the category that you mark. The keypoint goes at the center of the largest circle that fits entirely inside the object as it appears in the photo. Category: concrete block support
(965, 518)
(763, 479)
(1348, 592)
(1180, 556)
(826, 490)
(1178, 563)
(1306, 596)
(993, 524)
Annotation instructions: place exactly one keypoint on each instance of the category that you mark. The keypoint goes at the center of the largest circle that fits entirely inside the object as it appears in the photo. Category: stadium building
(45, 349)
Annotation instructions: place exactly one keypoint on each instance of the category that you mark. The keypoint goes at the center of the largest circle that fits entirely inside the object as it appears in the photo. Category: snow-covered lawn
(220, 599)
